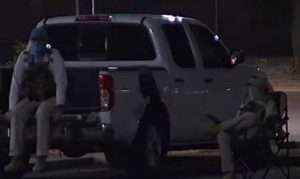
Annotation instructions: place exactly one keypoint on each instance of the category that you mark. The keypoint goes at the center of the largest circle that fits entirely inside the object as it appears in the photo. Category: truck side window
(213, 53)
(179, 44)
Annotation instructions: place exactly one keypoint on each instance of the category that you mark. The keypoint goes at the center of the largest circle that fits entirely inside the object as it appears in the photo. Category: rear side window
(102, 42)
(179, 44)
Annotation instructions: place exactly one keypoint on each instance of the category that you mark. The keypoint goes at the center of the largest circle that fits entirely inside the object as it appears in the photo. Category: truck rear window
(102, 42)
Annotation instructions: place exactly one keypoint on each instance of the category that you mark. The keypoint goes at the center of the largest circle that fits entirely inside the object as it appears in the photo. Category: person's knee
(17, 115)
(45, 109)
(21, 111)
(249, 120)
(250, 116)
(224, 137)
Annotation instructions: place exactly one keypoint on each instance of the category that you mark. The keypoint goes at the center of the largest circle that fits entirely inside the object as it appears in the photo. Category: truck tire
(115, 157)
(153, 147)
(149, 150)
(71, 151)
(4, 158)
(74, 154)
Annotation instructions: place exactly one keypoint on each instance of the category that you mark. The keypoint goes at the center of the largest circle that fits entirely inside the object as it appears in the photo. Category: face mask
(38, 49)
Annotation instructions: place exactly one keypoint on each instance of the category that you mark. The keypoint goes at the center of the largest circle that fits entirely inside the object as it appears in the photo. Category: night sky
(260, 27)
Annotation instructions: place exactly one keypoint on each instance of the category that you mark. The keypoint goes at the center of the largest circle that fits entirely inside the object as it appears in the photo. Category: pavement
(190, 164)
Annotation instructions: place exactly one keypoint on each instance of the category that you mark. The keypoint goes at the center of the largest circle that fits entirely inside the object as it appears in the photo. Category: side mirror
(237, 57)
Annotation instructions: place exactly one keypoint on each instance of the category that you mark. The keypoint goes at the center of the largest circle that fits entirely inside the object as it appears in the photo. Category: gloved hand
(57, 112)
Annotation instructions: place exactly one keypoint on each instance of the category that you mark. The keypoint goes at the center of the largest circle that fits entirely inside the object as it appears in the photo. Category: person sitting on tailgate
(38, 86)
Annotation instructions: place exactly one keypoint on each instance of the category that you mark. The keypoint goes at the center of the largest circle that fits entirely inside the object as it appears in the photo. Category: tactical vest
(38, 82)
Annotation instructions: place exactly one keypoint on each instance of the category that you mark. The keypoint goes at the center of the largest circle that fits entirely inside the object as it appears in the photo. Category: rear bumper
(89, 128)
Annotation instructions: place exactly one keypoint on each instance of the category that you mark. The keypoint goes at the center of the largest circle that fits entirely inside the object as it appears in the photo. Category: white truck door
(219, 92)
(186, 99)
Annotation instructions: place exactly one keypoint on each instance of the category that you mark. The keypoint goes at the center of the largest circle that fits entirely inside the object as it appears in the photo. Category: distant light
(112, 68)
(216, 37)
(48, 46)
(172, 18)
(233, 60)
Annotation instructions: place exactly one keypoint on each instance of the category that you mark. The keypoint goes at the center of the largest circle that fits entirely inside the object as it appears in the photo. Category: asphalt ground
(194, 164)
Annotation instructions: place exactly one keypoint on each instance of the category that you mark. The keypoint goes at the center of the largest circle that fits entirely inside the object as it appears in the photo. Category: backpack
(38, 82)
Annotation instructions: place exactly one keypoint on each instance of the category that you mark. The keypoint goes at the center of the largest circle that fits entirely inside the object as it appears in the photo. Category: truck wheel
(72, 152)
(115, 157)
(4, 159)
(149, 149)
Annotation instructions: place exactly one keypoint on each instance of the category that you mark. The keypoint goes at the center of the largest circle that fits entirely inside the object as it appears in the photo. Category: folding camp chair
(263, 152)
(280, 138)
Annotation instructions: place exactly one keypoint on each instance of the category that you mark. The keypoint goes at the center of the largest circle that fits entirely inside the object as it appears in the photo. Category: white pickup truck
(146, 82)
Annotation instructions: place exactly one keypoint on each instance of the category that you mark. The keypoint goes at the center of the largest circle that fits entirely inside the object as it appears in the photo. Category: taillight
(94, 18)
(106, 91)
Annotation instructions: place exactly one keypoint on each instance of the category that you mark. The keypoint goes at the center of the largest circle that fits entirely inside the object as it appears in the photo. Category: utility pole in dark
(92, 8)
(77, 7)
(216, 16)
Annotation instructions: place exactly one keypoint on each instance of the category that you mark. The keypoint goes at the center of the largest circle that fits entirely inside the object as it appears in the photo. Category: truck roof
(116, 18)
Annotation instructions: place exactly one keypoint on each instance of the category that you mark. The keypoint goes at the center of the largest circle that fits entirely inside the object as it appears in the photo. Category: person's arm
(60, 78)
(271, 110)
(229, 124)
(16, 81)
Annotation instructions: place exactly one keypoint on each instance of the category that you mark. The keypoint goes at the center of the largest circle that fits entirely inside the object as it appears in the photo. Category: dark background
(260, 27)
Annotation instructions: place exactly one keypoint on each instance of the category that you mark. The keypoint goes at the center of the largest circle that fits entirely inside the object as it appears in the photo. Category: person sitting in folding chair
(258, 105)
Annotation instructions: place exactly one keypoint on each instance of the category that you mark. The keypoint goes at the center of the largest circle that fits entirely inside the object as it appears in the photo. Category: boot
(40, 164)
(17, 164)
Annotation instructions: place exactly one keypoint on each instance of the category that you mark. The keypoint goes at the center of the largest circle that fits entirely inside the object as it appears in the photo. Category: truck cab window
(180, 46)
(102, 42)
(213, 53)
(92, 41)
(63, 38)
(116, 42)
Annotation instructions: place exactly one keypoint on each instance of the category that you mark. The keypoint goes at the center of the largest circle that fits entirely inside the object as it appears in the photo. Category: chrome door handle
(124, 90)
(204, 92)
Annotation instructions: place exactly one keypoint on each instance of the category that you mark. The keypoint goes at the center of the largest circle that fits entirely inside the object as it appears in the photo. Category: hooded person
(257, 106)
(38, 86)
